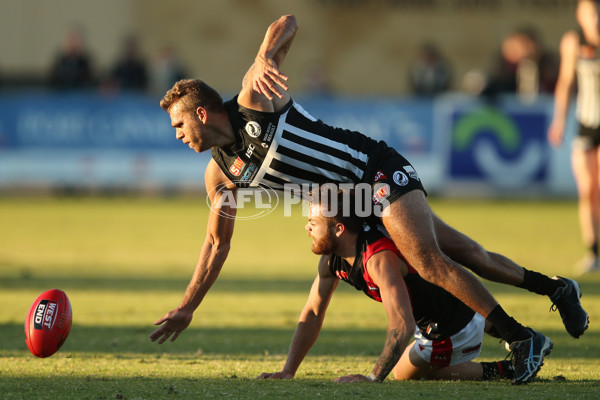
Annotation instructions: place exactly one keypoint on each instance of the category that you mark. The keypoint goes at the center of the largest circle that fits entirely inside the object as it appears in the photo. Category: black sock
(594, 249)
(497, 370)
(508, 328)
(539, 283)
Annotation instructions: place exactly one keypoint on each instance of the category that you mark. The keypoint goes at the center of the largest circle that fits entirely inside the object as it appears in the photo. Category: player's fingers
(161, 320)
(264, 375)
(272, 86)
(255, 87)
(156, 334)
(279, 79)
(175, 336)
(264, 90)
(164, 337)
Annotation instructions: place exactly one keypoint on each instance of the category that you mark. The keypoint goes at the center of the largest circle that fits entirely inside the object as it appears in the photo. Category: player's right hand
(171, 325)
(276, 375)
(555, 133)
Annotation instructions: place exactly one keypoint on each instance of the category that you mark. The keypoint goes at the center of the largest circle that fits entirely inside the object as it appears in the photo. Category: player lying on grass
(263, 137)
(448, 334)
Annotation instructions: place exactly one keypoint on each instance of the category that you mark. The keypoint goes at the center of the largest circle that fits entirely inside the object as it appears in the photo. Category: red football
(48, 323)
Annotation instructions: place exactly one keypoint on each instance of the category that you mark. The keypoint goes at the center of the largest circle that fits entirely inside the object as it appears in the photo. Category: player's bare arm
(212, 256)
(264, 86)
(310, 321)
(387, 272)
(569, 48)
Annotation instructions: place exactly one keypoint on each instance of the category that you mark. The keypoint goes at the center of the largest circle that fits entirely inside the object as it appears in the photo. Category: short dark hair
(344, 215)
(193, 93)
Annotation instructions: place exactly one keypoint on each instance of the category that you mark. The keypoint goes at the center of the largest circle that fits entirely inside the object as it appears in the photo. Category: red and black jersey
(438, 314)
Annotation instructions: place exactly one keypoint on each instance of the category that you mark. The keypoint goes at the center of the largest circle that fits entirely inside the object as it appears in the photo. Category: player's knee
(400, 375)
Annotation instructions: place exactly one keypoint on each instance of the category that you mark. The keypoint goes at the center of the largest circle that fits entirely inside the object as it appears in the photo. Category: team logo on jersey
(411, 172)
(381, 192)
(237, 167)
(249, 174)
(253, 129)
(341, 274)
(400, 178)
(249, 150)
(379, 175)
(270, 132)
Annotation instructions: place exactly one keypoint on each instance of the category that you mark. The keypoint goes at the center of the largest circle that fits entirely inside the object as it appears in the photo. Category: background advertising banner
(458, 146)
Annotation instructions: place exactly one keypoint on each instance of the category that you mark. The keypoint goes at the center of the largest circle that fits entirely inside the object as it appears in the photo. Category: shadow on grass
(28, 281)
(152, 284)
(128, 341)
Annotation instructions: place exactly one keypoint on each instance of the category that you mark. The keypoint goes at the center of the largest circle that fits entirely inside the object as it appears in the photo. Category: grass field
(124, 262)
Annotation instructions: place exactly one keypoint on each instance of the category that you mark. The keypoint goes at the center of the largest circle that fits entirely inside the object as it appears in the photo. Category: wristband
(372, 378)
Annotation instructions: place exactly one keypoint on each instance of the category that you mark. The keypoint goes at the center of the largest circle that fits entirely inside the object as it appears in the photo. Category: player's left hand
(267, 79)
(352, 378)
(171, 325)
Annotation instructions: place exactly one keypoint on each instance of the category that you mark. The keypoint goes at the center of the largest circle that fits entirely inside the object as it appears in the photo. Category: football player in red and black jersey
(447, 333)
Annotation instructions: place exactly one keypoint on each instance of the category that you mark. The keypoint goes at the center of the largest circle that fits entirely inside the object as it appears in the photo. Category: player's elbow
(219, 246)
(222, 248)
(289, 21)
(409, 327)
(403, 330)
(311, 316)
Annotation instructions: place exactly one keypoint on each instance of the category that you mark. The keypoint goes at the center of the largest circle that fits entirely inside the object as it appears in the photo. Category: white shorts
(458, 348)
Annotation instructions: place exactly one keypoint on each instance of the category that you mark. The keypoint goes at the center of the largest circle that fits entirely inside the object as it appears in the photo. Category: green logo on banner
(489, 119)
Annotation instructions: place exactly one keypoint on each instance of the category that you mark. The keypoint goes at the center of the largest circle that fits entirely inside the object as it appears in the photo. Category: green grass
(124, 262)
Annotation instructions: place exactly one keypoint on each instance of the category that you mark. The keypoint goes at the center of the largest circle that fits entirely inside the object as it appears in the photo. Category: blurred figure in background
(72, 67)
(430, 73)
(317, 82)
(524, 67)
(580, 61)
(130, 71)
(166, 69)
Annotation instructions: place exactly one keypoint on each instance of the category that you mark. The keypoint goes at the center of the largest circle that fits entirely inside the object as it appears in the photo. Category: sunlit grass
(124, 262)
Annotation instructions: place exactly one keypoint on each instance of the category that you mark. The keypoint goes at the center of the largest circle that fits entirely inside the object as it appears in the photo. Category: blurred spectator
(130, 70)
(166, 69)
(316, 81)
(430, 73)
(72, 67)
(524, 67)
(473, 82)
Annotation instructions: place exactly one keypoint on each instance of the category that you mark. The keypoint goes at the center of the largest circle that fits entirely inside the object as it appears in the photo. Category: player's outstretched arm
(569, 48)
(310, 321)
(386, 271)
(264, 87)
(212, 256)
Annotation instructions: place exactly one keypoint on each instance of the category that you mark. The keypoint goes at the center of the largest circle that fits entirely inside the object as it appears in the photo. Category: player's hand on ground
(171, 325)
(276, 375)
(267, 79)
(352, 378)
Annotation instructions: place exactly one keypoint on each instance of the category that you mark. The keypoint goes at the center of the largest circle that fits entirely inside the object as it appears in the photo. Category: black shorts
(394, 176)
(587, 138)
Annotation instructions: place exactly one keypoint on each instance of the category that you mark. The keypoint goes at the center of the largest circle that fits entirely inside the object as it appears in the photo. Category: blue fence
(459, 145)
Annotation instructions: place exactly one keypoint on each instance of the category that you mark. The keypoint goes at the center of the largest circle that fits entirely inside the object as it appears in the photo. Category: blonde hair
(192, 93)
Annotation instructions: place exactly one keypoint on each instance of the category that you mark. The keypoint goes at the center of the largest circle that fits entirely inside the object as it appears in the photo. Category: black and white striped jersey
(291, 146)
(588, 84)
